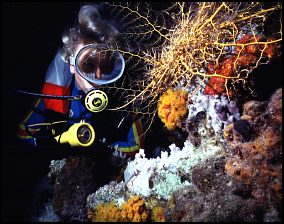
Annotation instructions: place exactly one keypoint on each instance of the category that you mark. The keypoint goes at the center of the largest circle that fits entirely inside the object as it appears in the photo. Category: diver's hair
(90, 28)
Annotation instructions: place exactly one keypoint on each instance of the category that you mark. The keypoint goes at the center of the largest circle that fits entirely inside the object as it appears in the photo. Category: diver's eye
(90, 64)
(98, 64)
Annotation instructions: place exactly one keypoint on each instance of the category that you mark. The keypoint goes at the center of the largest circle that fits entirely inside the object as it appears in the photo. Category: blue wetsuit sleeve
(58, 74)
(134, 139)
(34, 116)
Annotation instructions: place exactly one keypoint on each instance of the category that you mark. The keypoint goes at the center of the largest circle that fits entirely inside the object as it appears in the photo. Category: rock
(80, 176)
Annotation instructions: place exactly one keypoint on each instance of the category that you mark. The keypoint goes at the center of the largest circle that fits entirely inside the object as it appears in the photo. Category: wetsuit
(114, 128)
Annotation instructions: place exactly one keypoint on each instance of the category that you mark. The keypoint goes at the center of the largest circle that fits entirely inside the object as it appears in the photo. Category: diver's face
(82, 83)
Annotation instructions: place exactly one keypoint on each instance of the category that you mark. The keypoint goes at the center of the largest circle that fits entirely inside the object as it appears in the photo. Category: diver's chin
(84, 84)
(88, 90)
(89, 86)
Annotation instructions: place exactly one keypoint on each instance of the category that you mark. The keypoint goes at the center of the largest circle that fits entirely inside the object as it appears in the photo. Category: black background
(31, 34)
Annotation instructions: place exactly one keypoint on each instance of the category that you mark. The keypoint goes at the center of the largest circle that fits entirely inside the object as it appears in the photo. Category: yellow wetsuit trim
(137, 141)
(35, 104)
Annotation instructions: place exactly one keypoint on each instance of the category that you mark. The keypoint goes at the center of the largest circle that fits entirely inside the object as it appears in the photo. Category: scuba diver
(72, 107)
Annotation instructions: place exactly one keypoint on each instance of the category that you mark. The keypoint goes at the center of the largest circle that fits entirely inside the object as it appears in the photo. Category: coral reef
(107, 212)
(213, 43)
(112, 192)
(133, 210)
(155, 178)
(214, 197)
(210, 175)
(244, 57)
(162, 176)
(221, 205)
(206, 119)
(237, 178)
(55, 168)
(158, 214)
(255, 157)
(116, 194)
(172, 107)
(204, 182)
(74, 178)
(71, 188)
(217, 110)
(229, 167)
(225, 163)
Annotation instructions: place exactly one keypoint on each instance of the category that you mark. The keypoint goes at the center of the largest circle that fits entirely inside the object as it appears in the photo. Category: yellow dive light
(80, 134)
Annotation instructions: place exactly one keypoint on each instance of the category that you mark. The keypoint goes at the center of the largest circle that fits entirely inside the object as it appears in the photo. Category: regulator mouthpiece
(96, 100)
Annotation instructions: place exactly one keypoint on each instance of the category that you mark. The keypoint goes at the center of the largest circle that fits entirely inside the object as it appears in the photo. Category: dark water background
(31, 34)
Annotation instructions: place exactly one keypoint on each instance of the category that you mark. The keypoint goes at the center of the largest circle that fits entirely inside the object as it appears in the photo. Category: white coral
(164, 172)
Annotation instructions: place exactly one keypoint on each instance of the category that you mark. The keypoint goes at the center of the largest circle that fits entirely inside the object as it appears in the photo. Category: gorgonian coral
(196, 44)
(172, 107)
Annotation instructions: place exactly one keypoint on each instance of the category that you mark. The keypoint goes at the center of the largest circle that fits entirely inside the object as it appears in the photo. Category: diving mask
(98, 64)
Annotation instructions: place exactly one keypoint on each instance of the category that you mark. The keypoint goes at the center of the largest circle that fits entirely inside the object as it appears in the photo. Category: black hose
(78, 97)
